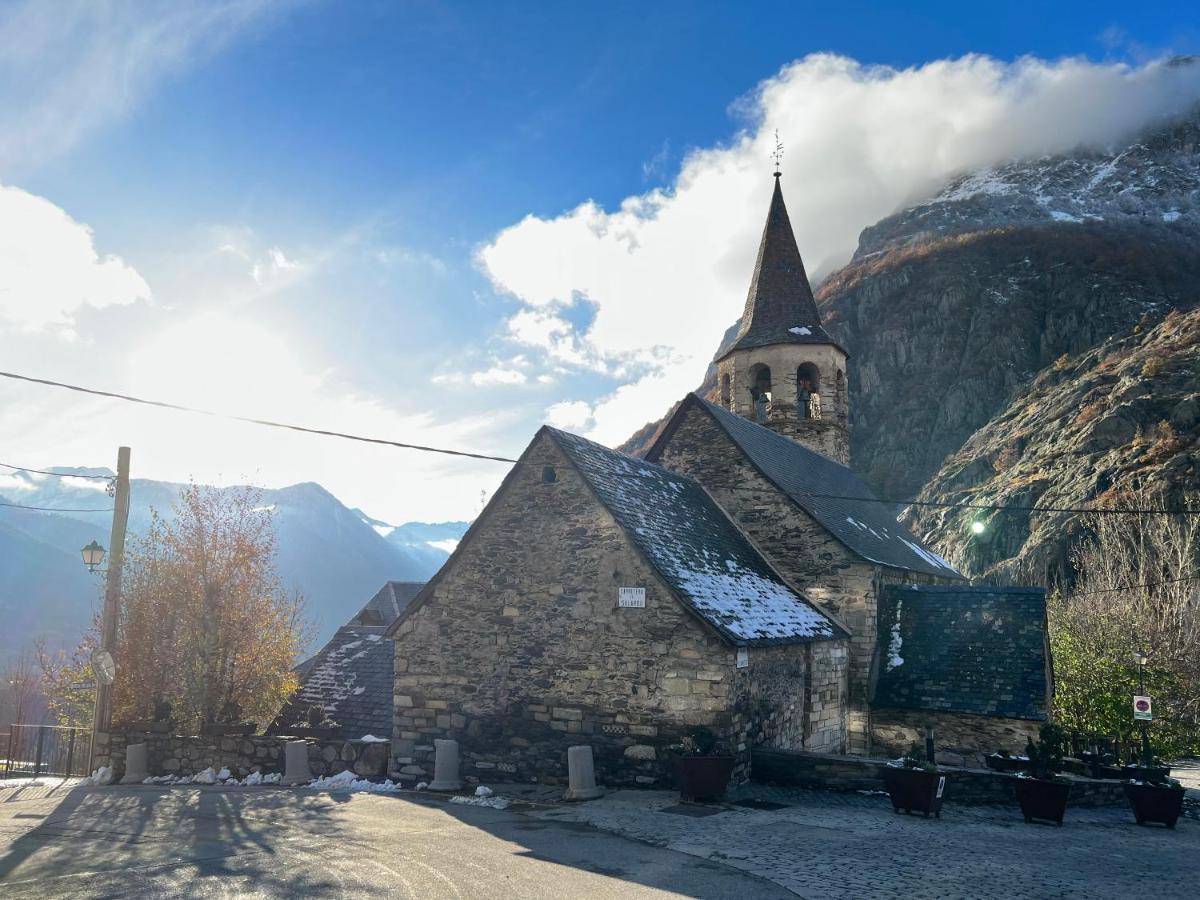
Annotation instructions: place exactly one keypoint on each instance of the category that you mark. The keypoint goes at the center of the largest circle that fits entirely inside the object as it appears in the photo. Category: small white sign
(743, 658)
(631, 598)
(1143, 710)
(941, 786)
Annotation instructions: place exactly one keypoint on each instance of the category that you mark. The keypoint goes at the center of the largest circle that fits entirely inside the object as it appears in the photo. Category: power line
(267, 422)
(55, 474)
(1001, 508)
(179, 407)
(1131, 587)
(53, 508)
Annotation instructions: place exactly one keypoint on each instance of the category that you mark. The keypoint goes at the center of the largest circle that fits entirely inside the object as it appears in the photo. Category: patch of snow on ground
(1171, 215)
(102, 775)
(47, 781)
(371, 739)
(348, 781)
(987, 181)
(492, 802)
(208, 776)
(483, 791)
(1060, 216)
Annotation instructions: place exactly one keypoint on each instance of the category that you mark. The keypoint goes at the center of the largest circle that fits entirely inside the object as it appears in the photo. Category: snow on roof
(694, 546)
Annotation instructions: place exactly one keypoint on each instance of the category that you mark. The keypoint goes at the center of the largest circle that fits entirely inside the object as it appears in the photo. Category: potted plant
(1041, 791)
(915, 784)
(229, 722)
(701, 771)
(1003, 761)
(317, 725)
(1156, 801)
(162, 723)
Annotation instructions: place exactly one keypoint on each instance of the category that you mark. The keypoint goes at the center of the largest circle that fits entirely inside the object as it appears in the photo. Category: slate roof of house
(780, 308)
(951, 648)
(387, 604)
(696, 549)
(352, 678)
(828, 491)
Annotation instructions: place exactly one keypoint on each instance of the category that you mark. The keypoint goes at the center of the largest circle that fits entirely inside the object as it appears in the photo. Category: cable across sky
(269, 423)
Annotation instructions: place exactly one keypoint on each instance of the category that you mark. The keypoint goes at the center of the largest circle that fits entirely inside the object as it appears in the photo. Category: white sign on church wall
(631, 597)
(743, 658)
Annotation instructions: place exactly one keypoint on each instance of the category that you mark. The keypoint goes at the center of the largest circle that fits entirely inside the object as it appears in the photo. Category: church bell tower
(783, 370)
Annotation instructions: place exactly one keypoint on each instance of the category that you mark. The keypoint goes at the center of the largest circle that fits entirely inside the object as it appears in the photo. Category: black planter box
(1044, 800)
(226, 729)
(1152, 803)
(915, 790)
(999, 763)
(702, 777)
(1134, 772)
(330, 733)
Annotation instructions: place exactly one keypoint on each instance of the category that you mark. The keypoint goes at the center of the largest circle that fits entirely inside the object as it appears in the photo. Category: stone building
(601, 599)
(735, 579)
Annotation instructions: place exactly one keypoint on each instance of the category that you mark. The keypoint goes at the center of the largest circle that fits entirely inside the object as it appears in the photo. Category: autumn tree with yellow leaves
(205, 620)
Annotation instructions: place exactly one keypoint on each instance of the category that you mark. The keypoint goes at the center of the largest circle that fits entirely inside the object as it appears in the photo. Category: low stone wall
(857, 773)
(962, 740)
(172, 754)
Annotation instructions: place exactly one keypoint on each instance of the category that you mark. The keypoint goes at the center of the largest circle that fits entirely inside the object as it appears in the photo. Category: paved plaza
(74, 841)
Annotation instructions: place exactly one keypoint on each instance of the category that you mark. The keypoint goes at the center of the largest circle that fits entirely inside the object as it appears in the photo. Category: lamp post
(93, 555)
(1141, 660)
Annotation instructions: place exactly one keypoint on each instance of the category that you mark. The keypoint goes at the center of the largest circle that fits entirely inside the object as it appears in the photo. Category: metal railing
(56, 750)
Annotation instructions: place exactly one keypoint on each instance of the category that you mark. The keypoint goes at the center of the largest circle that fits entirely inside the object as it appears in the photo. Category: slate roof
(387, 604)
(780, 308)
(352, 678)
(828, 491)
(978, 650)
(696, 549)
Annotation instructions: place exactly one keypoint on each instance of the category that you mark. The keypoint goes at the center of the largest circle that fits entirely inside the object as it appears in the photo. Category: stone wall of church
(521, 649)
(959, 739)
(806, 553)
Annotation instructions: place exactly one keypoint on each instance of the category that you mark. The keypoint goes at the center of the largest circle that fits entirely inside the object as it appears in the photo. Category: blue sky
(374, 216)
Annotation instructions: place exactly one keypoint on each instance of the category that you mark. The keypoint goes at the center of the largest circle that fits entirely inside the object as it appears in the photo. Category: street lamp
(93, 555)
(1141, 660)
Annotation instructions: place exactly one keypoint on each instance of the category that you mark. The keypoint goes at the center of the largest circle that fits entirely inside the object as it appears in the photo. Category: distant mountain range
(336, 556)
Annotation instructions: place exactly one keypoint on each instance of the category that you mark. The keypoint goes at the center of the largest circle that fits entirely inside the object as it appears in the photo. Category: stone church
(740, 578)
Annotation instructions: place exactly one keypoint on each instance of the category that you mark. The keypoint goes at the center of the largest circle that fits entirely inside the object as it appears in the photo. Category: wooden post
(102, 719)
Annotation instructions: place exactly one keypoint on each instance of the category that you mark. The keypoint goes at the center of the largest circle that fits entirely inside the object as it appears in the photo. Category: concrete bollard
(581, 775)
(295, 763)
(445, 766)
(137, 759)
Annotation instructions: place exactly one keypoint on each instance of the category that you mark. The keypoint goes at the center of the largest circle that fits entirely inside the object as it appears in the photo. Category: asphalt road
(249, 842)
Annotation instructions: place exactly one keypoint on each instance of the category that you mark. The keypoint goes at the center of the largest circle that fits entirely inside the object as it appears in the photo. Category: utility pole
(102, 720)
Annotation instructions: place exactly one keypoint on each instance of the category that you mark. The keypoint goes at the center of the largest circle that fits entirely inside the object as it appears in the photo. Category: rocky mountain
(335, 556)
(959, 308)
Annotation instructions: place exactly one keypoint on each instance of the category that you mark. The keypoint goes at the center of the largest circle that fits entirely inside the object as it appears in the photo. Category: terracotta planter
(702, 777)
(1044, 800)
(915, 790)
(1153, 803)
(226, 729)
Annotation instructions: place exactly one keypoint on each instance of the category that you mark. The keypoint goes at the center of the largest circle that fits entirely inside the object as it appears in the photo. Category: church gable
(827, 491)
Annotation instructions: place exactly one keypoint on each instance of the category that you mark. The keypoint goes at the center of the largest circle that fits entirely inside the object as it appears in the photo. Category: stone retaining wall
(962, 740)
(856, 773)
(172, 754)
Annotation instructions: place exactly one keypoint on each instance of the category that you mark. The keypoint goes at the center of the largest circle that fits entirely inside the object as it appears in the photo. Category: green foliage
(916, 759)
(698, 741)
(68, 682)
(1046, 756)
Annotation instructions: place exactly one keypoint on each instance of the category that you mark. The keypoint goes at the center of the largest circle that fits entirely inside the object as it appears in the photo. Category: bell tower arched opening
(808, 391)
(760, 390)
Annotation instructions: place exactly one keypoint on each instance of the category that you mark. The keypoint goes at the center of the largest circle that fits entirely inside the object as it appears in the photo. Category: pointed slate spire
(780, 308)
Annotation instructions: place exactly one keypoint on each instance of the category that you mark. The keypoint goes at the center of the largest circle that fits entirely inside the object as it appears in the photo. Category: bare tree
(1138, 588)
(20, 691)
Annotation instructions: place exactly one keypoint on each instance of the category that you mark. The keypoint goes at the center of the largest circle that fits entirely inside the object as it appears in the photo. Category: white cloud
(275, 269)
(668, 270)
(570, 415)
(497, 375)
(49, 266)
(69, 68)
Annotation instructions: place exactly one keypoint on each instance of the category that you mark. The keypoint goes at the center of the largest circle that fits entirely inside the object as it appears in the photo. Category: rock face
(956, 309)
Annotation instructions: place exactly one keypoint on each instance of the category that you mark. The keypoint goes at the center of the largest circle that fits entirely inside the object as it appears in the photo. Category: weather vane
(777, 155)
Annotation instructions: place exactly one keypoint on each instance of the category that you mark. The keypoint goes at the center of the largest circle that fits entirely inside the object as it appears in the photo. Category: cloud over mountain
(667, 271)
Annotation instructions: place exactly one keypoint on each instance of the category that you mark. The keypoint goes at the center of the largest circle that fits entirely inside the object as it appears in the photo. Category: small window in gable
(549, 475)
